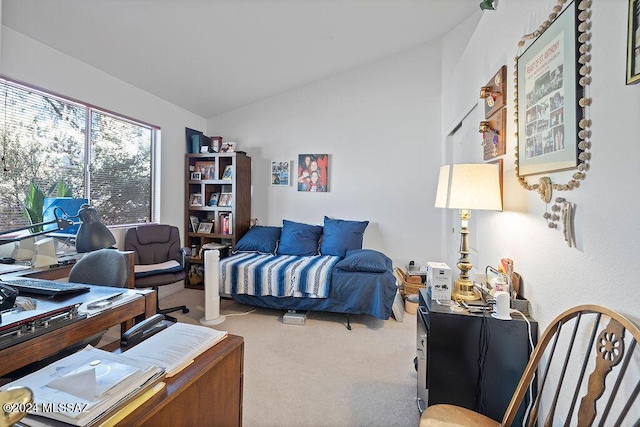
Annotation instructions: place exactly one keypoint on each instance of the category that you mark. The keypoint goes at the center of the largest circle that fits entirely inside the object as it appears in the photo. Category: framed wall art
(633, 48)
(313, 172)
(281, 173)
(548, 93)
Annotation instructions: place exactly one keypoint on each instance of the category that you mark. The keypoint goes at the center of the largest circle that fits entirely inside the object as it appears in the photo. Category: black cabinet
(470, 360)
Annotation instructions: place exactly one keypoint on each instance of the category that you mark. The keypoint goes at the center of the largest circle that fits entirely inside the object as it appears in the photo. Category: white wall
(601, 269)
(380, 125)
(27, 60)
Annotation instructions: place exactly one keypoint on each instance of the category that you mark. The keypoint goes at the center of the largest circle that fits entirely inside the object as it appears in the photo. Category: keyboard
(47, 287)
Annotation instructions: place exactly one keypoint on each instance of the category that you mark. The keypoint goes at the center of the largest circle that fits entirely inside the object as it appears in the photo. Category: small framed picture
(207, 170)
(280, 172)
(205, 227)
(195, 199)
(227, 175)
(216, 142)
(213, 199)
(225, 200)
(194, 221)
(228, 147)
(195, 176)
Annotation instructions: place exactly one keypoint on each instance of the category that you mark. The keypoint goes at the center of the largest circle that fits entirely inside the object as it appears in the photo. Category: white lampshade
(469, 186)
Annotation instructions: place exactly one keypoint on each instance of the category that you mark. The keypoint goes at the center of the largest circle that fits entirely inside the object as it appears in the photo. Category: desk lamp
(466, 187)
(92, 234)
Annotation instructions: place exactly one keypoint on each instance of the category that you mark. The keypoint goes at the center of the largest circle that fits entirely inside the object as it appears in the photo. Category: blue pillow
(299, 239)
(365, 260)
(260, 239)
(341, 235)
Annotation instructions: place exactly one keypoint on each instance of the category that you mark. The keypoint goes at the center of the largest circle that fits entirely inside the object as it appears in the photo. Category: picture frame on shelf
(548, 94)
(214, 198)
(216, 143)
(194, 221)
(195, 199)
(207, 170)
(633, 40)
(281, 173)
(226, 200)
(227, 175)
(228, 147)
(205, 228)
(196, 176)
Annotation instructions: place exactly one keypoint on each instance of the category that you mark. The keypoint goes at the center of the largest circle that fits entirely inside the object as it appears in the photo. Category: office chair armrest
(186, 257)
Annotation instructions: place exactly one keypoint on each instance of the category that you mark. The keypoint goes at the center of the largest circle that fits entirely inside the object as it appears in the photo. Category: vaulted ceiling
(213, 56)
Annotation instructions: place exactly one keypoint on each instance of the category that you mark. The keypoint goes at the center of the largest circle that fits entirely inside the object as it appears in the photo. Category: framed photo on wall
(548, 94)
(281, 173)
(633, 48)
(313, 173)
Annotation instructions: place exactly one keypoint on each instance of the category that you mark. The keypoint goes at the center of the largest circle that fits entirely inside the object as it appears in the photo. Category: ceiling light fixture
(487, 5)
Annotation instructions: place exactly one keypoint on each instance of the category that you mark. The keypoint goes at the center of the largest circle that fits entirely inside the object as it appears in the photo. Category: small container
(411, 304)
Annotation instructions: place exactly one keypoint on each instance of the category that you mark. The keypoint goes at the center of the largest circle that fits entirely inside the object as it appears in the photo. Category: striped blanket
(280, 276)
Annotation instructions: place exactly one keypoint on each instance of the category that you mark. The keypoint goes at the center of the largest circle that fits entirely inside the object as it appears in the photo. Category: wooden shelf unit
(239, 187)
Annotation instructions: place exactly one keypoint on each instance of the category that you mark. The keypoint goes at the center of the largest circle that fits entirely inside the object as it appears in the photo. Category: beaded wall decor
(563, 209)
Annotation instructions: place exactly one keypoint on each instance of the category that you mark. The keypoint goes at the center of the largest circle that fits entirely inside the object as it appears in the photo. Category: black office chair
(153, 245)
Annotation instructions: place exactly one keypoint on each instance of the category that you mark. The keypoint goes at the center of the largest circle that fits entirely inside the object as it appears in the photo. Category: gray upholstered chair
(154, 245)
(105, 267)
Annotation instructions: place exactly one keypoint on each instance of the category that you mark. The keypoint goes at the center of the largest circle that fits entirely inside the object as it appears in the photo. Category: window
(57, 147)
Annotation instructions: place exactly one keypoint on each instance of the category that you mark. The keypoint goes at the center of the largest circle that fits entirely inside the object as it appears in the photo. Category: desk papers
(175, 347)
(82, 388)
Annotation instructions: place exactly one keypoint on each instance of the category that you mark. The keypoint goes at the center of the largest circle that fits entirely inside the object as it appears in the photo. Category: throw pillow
(341, 235)
(299, 239)
(366, 261)
(259, 238)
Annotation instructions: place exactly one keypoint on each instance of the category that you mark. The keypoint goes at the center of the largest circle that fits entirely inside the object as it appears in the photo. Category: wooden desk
(52, 342)
(208, 392)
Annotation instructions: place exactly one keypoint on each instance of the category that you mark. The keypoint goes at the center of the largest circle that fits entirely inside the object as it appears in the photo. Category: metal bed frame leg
(348, 322)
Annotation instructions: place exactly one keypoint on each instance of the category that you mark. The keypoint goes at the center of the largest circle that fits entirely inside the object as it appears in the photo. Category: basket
(406, 283)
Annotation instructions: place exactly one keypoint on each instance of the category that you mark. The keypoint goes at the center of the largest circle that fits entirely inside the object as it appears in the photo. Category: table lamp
(466, 187)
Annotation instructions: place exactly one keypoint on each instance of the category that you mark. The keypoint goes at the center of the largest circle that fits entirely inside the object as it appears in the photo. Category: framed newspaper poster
(548, 94)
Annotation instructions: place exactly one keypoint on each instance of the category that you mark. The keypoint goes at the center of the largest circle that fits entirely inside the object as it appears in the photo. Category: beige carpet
(319, 374)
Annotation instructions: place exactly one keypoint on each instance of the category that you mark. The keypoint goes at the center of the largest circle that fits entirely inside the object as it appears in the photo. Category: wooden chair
(587, 364)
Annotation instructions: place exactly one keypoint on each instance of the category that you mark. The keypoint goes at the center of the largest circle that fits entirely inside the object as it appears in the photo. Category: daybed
(309, 267)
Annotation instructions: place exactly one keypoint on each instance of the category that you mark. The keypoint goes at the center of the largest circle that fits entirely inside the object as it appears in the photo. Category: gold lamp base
(464, 290)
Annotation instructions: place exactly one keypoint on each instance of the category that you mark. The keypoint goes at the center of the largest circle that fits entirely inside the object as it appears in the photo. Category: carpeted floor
(319, 374)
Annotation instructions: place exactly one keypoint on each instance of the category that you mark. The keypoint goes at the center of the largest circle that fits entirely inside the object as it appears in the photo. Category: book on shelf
(87, 387)
(176, 347)
(224, 223)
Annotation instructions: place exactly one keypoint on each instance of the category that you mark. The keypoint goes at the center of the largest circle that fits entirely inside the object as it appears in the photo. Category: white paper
(176, 347)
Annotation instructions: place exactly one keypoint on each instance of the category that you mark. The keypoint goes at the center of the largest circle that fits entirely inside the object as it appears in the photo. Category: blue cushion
(262, 239)
(341, 235)
(299, 239)
(365, 260)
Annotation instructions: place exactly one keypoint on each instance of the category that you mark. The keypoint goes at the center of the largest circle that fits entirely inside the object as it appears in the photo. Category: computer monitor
(69, 205)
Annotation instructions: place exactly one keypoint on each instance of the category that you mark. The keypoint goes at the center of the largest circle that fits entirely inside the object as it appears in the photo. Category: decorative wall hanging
(494, 92)
(280, 173)
(313, 172)
(552, 80)
(493, 129)
(633, 49)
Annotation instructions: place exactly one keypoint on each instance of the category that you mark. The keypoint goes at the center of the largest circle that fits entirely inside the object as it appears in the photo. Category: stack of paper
(82, 388)
(175, 347)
